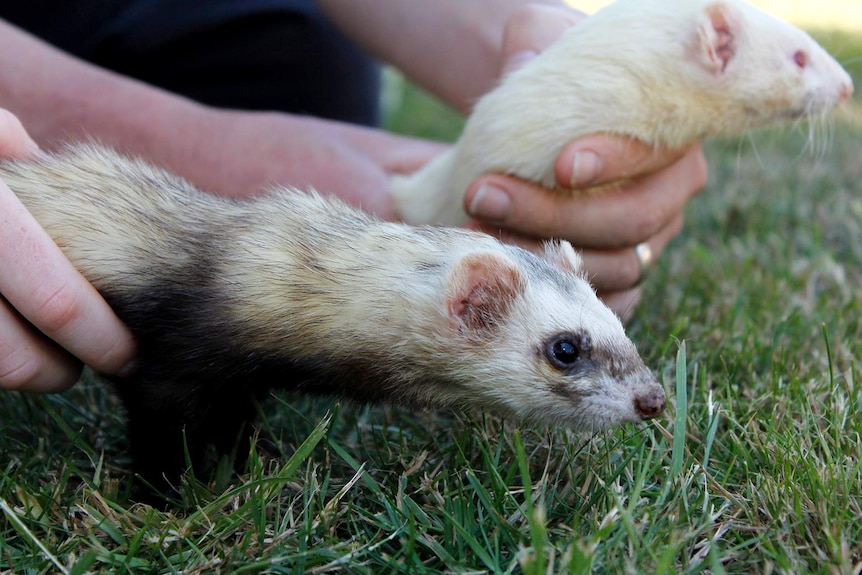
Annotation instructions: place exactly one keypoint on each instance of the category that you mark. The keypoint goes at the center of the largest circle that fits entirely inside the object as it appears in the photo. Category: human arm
(452, 48)
(231, 152)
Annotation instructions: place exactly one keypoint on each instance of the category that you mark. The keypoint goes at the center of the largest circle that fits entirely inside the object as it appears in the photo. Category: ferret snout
(846, 91)
(650, 403)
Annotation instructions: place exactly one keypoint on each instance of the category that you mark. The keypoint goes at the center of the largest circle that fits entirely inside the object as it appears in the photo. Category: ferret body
(666, 72)
(228, 299)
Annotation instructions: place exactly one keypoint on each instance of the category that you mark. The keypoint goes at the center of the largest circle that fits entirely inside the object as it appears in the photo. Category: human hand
(644, 206)
(240, 154)
(51, 318)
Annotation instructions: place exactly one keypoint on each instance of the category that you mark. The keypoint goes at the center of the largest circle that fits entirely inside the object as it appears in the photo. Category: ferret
(228, 299)
(666, 72)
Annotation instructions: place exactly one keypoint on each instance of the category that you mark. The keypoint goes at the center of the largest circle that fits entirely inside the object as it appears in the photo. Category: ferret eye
(563, 351)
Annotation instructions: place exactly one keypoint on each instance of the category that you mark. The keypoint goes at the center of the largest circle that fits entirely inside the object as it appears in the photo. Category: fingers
(620, 269)
(607, 219)
(611, 270)
(45, 289)
(615, 274)
(29, 361)
(599, 159)
(15, 142)
(531, 29)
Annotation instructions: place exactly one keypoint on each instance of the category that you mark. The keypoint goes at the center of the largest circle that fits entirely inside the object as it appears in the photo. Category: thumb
(598, 159)
(15, 142)
(531, 29)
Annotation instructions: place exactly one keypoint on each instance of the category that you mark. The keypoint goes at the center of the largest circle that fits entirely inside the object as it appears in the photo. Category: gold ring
(643, 252)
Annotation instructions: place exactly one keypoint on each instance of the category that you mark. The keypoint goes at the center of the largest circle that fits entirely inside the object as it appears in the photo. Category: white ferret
(666, 72)
(228, 299)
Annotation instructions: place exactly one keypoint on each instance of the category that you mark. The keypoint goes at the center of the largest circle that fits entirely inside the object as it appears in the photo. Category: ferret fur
(666, 72)
(228, 299)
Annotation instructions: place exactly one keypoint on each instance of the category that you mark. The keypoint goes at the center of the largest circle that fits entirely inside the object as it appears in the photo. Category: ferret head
(700, 68)
(536, 342)
(753, 69)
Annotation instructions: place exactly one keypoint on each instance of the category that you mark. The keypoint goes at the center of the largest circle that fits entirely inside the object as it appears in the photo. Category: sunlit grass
(832, 14)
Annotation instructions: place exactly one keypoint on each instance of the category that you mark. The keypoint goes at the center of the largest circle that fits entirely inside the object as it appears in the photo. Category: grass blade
(678, 452)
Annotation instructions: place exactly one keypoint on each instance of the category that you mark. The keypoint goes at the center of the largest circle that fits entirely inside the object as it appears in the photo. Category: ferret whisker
(826, 125)
(818, 139)
(754, 149)
(629, 309)
(818, 135)
(809, 143)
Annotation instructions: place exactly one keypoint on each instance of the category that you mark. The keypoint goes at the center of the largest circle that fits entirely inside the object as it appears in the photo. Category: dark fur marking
(197, 384)
(540, 270)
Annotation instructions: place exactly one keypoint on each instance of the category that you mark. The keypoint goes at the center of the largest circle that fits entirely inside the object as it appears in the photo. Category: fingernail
(35, 152)
(490, 203)
(128, 370)
(586, 167)
(40, 154)
(518, 59)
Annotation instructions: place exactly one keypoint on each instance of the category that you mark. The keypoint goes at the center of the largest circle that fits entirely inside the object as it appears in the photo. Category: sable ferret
(666, 72)
(228, 299)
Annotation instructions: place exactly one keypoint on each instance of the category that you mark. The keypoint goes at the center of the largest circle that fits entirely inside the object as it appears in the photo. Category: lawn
(752, 320)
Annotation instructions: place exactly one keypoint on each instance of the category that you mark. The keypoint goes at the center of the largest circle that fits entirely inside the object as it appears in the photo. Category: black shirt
(249, 54)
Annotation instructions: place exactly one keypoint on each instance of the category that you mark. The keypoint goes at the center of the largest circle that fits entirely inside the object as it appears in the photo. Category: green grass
(755, 468)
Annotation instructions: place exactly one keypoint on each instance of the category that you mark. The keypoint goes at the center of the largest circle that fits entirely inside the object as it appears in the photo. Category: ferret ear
(562, 255)
(715, 41)
(482, 289)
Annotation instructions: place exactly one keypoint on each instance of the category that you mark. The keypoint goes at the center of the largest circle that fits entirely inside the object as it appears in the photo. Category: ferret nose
(650, 404)
(846, 91)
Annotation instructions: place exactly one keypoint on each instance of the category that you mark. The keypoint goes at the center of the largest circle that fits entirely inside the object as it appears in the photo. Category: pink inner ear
(484, 287)
(717, 41)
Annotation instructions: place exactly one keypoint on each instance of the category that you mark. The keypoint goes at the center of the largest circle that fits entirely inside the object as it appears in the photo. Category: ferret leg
(227, 427)
(158, 449)
(191, 433)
